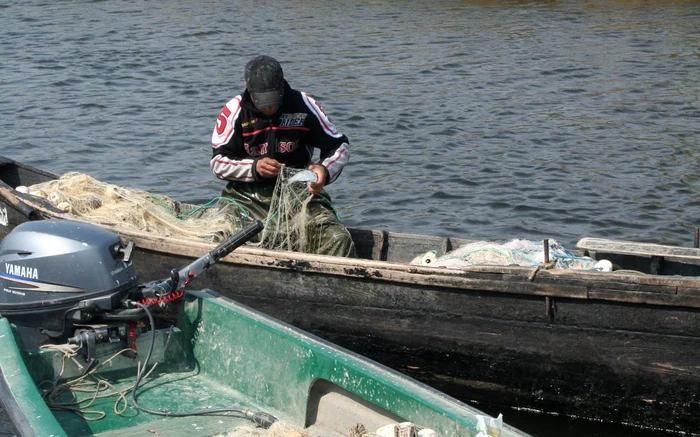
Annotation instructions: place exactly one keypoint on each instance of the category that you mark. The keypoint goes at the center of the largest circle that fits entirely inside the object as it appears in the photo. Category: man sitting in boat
(270, 126)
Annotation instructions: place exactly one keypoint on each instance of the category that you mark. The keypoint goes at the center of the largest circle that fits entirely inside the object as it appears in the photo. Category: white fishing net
(282, 429)
(277, 429)
(84, 196)
(286, 225)
(517, 252)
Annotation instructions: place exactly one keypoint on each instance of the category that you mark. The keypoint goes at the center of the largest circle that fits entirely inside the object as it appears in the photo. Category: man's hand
(268, 167)
(316, 187)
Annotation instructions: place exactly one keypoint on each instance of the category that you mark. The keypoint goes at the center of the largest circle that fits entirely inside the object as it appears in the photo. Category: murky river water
(483, 119)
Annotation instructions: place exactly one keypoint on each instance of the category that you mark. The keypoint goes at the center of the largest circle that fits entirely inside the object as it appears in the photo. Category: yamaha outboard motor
(56, 273)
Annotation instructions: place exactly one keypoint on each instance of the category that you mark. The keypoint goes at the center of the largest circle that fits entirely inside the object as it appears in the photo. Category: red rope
(165, 299)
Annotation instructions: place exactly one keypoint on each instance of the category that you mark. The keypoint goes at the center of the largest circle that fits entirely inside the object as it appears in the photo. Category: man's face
(270, 110)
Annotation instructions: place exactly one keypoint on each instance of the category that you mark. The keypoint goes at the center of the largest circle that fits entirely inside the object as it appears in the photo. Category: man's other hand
(268, 167)
(316, 187)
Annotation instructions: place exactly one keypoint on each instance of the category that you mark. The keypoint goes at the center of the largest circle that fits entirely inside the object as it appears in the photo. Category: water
(484, 119)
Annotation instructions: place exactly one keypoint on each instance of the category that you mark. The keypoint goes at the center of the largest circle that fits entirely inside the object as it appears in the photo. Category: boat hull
(568, 342)
(222, 354)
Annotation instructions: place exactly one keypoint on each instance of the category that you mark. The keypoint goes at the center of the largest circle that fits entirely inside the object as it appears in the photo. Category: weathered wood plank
(634, 248)
(404, 247)
(500, 279)
(369, 244)
(690, 301)
(688, 291)
(292, 289)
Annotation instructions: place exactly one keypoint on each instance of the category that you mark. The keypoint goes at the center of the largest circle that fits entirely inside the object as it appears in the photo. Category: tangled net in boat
(131, 209)
(282, 429)
(517, 252)
(277, 429)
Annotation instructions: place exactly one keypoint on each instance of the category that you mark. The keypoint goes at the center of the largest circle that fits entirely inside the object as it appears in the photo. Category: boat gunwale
(13, 407)
(19, 421)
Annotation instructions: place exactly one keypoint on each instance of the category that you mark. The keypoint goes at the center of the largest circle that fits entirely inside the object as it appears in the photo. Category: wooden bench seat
(641, 249)
(651, 258)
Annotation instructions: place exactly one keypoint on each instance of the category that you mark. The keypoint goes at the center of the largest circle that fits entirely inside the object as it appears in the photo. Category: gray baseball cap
(265, 81)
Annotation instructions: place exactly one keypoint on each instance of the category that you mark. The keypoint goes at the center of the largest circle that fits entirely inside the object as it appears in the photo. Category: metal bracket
(127, 251)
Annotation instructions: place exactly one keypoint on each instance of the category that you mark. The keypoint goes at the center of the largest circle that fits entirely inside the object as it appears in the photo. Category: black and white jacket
(243, 135)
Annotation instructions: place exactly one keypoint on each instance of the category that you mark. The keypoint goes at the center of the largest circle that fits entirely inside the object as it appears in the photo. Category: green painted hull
(224, 355)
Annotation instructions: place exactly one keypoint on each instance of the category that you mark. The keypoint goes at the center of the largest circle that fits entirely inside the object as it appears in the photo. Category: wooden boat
(620, 347)
(222, 355)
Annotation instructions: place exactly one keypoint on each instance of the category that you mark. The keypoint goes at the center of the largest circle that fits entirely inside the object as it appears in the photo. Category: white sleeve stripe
(326, 123)
(336, 163)
(231, 169)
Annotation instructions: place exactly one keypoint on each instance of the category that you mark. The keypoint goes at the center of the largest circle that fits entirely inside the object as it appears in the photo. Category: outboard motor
(56, 273)
(75, 281)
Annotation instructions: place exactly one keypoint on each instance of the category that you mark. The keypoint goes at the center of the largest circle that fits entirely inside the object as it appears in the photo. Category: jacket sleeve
(323, 135)
(229, 159)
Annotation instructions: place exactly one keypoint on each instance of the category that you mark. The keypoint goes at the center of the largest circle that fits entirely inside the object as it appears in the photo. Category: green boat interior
(223, 355)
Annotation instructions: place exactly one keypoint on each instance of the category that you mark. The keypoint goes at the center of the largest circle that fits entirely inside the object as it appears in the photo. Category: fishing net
(84, 196)
(288, 225)
(282, 429)
(518, 252)
(278, 429)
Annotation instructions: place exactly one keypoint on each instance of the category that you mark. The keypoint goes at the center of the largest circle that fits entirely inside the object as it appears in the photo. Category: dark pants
(321, 232)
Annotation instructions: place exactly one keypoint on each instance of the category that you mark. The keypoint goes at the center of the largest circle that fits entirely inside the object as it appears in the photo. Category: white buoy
(22, 189)
(428, 259)
(603, 266)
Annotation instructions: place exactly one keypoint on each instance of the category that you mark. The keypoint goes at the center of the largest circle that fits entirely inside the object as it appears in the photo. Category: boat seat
(656, 259)
(601, 245)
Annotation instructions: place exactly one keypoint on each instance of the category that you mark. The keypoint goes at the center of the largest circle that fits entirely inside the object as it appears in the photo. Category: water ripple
(482, 119)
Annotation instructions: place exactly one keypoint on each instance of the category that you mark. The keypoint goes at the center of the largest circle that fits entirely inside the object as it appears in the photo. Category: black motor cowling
(54, 269)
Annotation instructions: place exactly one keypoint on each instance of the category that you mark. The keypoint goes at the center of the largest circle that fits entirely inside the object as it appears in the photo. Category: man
(270, 126)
